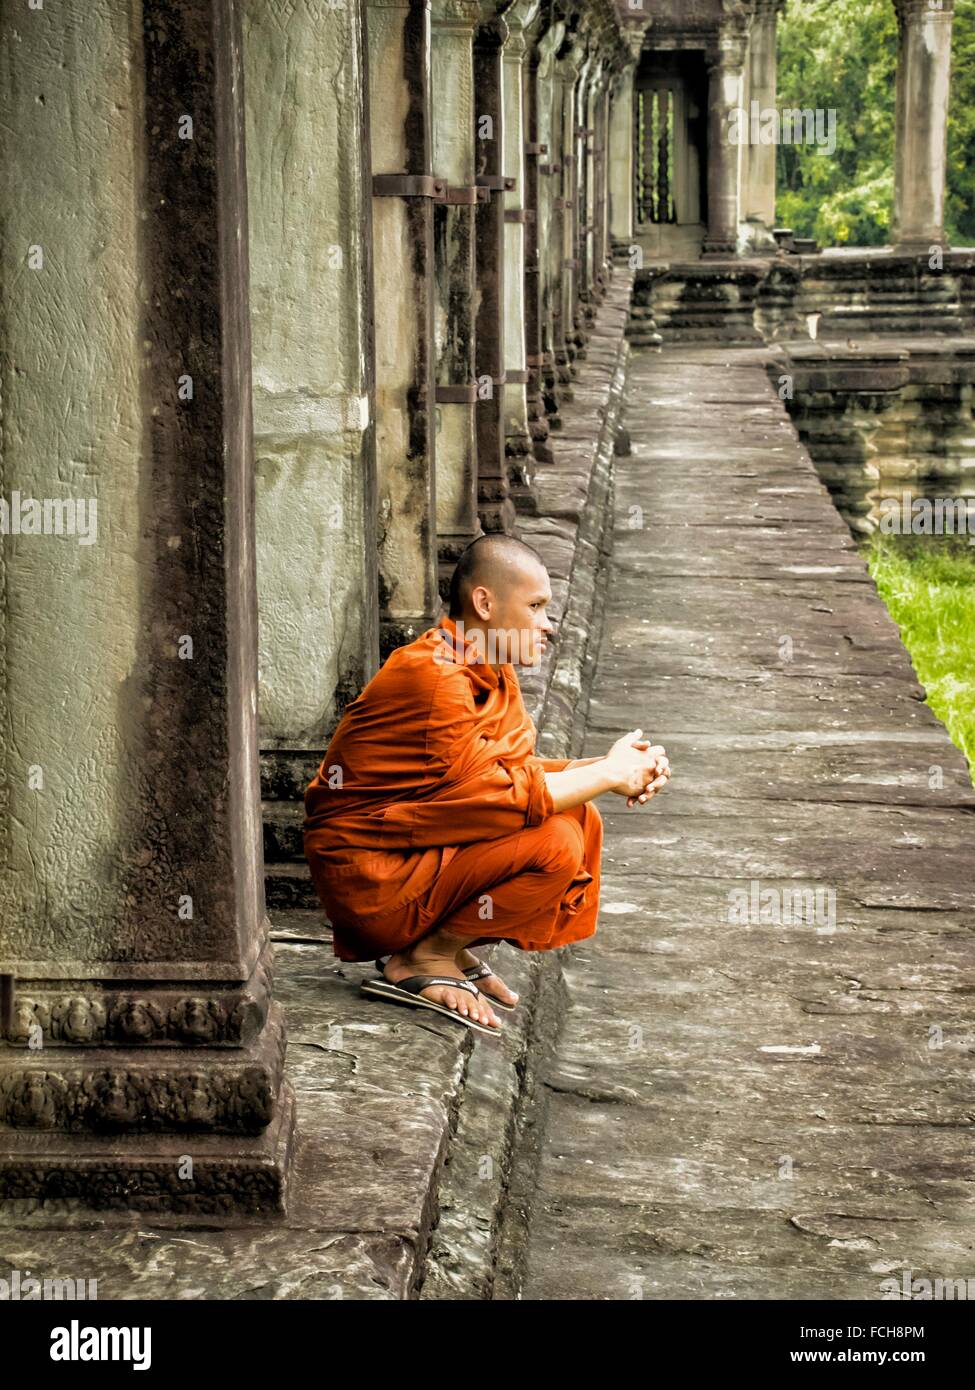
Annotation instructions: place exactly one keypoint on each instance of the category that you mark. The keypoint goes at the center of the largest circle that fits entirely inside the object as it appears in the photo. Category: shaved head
(497, 561)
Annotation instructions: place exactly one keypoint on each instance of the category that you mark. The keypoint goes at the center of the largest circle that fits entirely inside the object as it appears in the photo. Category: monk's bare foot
(491, 984)
(419, 962)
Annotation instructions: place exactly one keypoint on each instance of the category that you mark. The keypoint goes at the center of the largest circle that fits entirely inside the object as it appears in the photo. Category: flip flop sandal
(481, 972)
(472, 973)
(408, 992)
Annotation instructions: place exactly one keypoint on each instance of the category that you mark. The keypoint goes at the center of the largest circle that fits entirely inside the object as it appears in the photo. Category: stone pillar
(759, 159)
(726, 67)
(588, 137)
(621, 173)
(495, 507)
(920, 152)
(311, 288)
(133, 936)
(536, 154)
(572, 191)
(560, 230)
(518, 439)
(549, 224)
(582, 205)
(403, 267)
(453, 113)
(601, 200)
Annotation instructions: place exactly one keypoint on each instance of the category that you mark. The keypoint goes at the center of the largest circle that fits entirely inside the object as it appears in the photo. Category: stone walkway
(759, 1108)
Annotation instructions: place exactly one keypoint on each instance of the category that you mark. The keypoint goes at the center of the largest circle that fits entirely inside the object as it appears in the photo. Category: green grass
(928, 586)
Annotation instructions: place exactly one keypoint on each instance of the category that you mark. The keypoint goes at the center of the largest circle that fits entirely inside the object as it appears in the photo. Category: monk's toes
(499, 990)
(463, 1003)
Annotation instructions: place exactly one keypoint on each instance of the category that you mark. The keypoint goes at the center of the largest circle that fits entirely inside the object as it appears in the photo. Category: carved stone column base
(52, 1179)
(148, 1089)
(718, 250)
(496, 511)
(921, 246)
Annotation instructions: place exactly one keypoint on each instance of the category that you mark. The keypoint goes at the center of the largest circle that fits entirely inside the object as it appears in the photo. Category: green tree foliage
(842, 54)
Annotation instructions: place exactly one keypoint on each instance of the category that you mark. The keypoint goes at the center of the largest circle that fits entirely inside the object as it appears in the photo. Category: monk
(431, 827)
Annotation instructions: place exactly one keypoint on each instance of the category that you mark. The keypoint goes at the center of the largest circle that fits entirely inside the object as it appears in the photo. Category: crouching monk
(431, 826)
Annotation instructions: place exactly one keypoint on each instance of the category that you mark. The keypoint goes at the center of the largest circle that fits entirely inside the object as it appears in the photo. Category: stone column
(621, 173)
(142, 1057)
(588, 136)
(536, 153)
(549, 224)
(560, 230)
(759, 160)
(311, 326)
(403, 267)
(600, 162)
(453, 112)
(920, 152)
(518, 438)
(726, 67)
(495, 507)
(582, 207)
(573, 189)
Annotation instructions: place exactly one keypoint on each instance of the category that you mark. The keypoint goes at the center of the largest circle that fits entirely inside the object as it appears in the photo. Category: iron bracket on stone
(563, 202)
(585, 132)
(496, 183)
(550, 168)
(408, 186)
(517, 378)
(540, 359)
(455, 395)
(464, 195)
(533, 147)
(589, 227)
(568, 159)
(519, 214)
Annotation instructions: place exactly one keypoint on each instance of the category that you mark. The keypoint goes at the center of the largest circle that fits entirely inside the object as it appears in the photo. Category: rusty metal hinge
(407, 186)
(533, 147)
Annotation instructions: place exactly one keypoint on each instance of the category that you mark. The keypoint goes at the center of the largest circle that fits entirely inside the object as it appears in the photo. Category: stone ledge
(463, 1252)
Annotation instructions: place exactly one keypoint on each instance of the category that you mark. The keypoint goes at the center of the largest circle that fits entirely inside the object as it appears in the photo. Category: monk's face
(513, 615)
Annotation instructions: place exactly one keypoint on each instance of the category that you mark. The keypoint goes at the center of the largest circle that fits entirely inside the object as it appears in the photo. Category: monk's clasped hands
(643, 768)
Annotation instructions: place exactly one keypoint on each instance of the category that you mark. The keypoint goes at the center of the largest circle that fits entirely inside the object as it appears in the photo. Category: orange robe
(430, 809)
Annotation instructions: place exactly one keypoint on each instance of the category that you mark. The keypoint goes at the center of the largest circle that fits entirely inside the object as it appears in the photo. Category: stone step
(285, 773)
(283, 822)
(301, 927)
(289, 886)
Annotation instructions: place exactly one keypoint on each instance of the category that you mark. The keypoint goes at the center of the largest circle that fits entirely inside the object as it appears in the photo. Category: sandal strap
(478, 972)
(413, 984)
